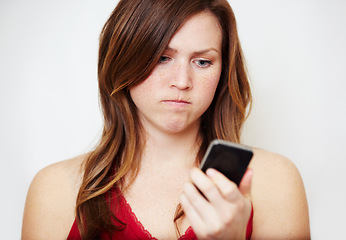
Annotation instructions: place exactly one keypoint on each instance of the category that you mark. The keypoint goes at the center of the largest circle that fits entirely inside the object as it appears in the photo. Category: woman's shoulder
(270, 161)
(71, 168)
(50, 204)
(67, 174)
(278, 197)
(274, 170)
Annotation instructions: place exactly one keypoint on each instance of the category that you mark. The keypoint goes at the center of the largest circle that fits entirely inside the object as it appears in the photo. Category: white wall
(296, 55)
(296, 58)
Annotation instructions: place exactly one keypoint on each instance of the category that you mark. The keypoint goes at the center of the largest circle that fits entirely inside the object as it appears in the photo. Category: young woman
(171, 79)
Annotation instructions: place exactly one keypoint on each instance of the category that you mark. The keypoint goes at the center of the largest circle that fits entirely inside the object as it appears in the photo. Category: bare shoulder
(268, 163)
(279, 199)
(50, 203)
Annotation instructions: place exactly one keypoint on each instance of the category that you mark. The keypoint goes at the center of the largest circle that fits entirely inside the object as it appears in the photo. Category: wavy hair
(131, 43)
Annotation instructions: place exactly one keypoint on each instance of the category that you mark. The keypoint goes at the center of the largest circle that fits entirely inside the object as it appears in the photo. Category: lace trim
(134, 218)
(188, 230)
(140, 225)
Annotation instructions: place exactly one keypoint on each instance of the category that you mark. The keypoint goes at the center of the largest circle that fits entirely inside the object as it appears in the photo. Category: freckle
(207, 79)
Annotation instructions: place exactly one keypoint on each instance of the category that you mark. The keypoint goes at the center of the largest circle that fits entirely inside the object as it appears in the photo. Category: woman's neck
(178, 148)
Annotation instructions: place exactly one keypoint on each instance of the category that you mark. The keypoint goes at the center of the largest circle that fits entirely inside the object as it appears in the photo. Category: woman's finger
(239, 201)
(245, 184)
(227, 188)
(202, 215)
(200, 204)
(205, 185)
(191, 213)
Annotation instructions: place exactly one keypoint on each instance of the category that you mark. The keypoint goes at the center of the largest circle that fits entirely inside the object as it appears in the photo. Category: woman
(171, 79)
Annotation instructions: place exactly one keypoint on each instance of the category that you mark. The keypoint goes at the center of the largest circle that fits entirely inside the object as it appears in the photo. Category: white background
(296, 57)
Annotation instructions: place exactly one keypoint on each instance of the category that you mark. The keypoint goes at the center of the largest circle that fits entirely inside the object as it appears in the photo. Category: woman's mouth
(176, 102)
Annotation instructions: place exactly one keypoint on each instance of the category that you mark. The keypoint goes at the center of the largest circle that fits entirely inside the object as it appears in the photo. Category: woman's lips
(175, 102)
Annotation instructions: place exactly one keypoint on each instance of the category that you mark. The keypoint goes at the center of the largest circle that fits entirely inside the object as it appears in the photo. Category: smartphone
(229, 158)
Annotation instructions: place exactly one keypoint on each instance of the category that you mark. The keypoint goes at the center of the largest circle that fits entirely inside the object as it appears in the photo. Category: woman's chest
(154, 203)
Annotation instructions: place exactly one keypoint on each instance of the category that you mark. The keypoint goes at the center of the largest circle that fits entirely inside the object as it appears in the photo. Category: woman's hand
(224, 212)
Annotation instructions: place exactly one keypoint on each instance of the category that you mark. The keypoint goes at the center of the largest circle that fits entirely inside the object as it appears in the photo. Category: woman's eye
(203, 63)
(163, 59)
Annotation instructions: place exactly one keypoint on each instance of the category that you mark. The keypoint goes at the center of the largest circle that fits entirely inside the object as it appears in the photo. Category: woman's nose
(181, 77)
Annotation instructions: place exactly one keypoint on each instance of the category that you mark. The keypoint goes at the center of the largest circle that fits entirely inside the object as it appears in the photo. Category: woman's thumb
(245, 184)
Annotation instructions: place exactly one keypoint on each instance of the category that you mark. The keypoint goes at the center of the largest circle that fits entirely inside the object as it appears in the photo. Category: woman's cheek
(209, 82)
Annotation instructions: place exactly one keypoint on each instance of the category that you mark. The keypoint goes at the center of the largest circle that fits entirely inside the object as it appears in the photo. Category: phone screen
(228, 158)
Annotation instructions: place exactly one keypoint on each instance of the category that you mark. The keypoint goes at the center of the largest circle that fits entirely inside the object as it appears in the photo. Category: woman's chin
(180, 127)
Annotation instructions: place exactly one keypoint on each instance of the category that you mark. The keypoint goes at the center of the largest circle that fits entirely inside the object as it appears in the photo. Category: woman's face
(182, 85)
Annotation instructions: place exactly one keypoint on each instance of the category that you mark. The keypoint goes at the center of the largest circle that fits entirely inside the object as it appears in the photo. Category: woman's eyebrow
(171, 49)
(195, 52)
(206, 51)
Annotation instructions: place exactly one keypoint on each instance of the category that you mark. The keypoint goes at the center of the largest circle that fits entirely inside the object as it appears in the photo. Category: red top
(134, 228)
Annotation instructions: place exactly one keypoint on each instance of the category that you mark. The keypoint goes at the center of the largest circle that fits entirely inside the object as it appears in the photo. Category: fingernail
(211, 172)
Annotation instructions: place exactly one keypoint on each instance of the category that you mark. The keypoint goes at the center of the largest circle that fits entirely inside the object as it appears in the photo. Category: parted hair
(131, 43)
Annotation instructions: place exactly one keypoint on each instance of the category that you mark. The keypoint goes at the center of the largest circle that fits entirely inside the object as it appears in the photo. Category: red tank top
(134, 228)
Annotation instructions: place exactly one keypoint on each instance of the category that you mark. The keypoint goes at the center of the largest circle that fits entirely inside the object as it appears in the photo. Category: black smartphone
(229, 158)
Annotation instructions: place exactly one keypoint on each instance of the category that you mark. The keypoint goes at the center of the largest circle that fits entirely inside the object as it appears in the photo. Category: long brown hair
(131, 43)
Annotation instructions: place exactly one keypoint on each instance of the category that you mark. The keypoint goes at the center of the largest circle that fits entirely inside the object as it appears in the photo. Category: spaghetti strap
(74, 232)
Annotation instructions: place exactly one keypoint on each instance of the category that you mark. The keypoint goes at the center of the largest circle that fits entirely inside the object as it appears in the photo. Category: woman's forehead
(199, 33)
